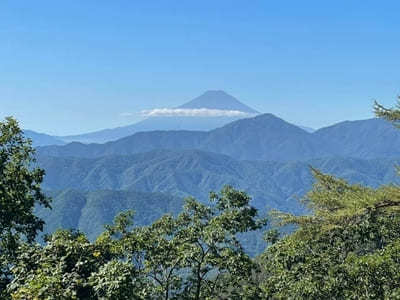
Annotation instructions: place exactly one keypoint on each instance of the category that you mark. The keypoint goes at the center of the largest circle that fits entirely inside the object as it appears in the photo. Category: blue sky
(74, 66)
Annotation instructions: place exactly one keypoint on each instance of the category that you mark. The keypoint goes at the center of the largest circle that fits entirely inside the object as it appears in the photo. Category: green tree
(19, 193)
(70, 267)
(389, 114)
(195, 255)
(151, 250)
(211, 251)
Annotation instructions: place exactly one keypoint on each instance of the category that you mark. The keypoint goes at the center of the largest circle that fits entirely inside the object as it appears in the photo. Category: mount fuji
(218, 100)
(226, 107)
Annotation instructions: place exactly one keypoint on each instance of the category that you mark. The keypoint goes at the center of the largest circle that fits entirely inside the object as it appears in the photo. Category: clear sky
(75, 66)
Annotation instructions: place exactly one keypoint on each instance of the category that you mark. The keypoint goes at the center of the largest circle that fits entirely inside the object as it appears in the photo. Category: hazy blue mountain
(90, 211)
(137, 143)
(41, 139)
(365, 138)
(264, 137)
(150, 124)
(101, 136)
(210, 99)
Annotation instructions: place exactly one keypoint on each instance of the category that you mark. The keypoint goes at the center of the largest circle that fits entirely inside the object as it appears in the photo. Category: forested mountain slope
(196, 173)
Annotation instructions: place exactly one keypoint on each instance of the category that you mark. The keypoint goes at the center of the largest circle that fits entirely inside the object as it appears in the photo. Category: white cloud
(195, 112)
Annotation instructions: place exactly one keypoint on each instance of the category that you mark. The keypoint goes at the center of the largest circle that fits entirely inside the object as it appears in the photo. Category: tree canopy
(195, 255)
(19, 193)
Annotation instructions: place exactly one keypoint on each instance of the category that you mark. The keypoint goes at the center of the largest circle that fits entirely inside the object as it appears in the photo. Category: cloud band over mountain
(193, 112)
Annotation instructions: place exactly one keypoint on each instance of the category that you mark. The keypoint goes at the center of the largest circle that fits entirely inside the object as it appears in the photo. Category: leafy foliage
(345, 250)
(190, 256)
(70, 267)
(19, 193)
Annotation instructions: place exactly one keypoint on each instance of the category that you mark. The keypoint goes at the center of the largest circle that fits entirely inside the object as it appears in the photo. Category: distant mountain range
(264, 137)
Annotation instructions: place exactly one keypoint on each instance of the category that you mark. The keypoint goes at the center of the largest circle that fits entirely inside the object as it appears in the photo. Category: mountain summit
(209, 100)
(218, 100)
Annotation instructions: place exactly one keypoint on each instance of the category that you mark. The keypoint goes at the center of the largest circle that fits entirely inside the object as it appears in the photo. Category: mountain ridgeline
(264, 137)
(41, 139)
